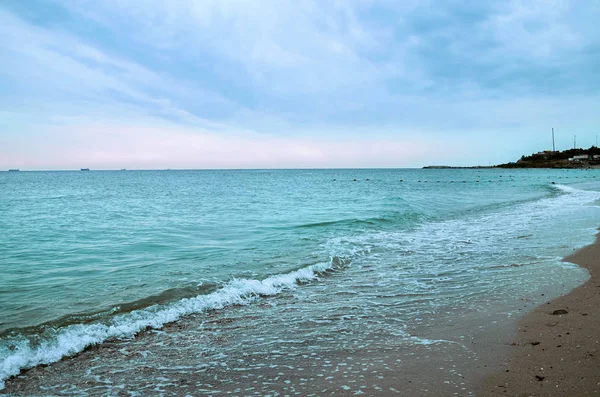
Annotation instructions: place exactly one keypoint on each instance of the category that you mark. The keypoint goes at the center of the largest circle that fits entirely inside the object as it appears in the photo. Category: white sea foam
(480, 228)
(569, 189)
(458, 256)
(75, 338)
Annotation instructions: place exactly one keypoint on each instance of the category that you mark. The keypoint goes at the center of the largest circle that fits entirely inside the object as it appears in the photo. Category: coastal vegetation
(571, 158)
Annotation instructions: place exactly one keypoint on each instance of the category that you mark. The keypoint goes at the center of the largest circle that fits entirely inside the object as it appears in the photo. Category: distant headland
(572, 158)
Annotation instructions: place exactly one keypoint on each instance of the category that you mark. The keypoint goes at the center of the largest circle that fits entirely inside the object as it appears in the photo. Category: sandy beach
(556, 351)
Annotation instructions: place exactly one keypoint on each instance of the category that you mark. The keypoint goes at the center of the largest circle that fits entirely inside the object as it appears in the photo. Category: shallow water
(324, 263)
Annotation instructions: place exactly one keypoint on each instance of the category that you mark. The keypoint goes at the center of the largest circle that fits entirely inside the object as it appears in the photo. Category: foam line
(75, 338)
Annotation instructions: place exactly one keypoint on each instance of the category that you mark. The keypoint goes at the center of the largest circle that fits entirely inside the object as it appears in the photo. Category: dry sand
(556, 351)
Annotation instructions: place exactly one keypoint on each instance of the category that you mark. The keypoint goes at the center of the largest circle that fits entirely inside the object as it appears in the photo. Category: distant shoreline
(576, 166)
(443, 167)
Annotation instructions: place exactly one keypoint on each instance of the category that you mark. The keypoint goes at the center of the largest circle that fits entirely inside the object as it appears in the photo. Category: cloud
(62, 67)
(281, 47)
(374, 73)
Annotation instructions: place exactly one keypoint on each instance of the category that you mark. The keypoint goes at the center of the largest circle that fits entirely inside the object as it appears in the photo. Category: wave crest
(22, 353)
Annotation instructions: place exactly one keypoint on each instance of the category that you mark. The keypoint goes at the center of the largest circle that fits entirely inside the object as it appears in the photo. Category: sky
(153, 84)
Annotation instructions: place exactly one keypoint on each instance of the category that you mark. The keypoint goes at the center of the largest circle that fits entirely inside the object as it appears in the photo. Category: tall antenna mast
(574, 141)
(554, 148)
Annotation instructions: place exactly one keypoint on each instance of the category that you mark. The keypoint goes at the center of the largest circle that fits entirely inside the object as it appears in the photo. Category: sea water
(294, 266)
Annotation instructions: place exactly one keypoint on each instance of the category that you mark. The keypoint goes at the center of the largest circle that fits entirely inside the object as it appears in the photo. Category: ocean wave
(569, 189)
(586, 196)
(164, 297)
(19, 352)
(408, 217)
(484, 227)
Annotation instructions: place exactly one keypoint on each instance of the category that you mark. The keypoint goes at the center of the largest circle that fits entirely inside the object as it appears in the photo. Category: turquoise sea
(304, 261)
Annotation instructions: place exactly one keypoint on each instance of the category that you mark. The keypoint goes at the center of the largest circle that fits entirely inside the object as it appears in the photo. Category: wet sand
(556, 350)
(227, 353)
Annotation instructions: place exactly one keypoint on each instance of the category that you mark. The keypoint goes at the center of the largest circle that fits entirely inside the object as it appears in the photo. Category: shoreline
(556, 347)
(451, 358)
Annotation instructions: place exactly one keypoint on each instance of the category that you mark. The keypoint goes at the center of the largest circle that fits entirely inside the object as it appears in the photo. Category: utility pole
(554, 148)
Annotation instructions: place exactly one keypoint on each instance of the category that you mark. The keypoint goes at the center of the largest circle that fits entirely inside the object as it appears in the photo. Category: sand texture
(556, 351)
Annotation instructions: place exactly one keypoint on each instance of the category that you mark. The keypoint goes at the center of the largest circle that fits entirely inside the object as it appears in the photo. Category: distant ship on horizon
(85, 169)
(13, 170)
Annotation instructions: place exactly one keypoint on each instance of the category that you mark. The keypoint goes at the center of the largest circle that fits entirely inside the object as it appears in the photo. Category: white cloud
(64, 68)
(535, 29)
(305, 46)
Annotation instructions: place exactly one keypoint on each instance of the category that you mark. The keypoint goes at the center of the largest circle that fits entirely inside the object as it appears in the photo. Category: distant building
(580, 157)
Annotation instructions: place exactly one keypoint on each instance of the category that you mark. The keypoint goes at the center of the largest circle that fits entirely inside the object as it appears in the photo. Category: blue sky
(307, 83)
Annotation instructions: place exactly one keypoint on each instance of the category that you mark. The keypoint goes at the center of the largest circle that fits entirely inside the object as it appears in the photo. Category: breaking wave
(19, 353)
